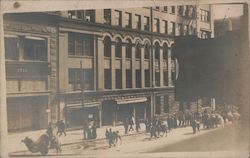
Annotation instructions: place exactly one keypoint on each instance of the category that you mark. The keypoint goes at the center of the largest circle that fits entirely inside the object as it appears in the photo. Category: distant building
(120, 58)
(221, 26)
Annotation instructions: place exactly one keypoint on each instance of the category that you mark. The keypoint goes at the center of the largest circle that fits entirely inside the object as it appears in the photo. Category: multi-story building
(105, 64)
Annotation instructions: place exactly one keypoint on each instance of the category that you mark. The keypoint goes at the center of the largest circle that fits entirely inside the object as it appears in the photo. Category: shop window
(138, 22)
(138, 78)
(146, 23)
(107, 16)
(138, 51)
(118, 18)
(107, 47)
(158, 105)
(128, 20)
(157, 25)
(79, 79)
(80, 44)
(128, 78)
(185, 30)
(35, 49)
(11, 48)
(129, 49)
(118, 48)
(147, 78)
(166, 104)
(90, 15)
(118, 78)
(147, 51)
(180, 29)
(107, 78)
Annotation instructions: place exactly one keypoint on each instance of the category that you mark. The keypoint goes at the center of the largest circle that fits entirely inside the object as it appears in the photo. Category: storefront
(27, 113)
(76, 114)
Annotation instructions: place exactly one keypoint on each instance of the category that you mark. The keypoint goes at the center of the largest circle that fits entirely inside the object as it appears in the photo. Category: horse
(42, 144)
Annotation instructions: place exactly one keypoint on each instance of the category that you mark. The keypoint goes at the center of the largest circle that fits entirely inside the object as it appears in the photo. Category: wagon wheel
(44, 150)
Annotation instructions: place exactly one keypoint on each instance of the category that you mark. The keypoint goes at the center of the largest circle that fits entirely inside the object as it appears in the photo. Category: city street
(178, 140)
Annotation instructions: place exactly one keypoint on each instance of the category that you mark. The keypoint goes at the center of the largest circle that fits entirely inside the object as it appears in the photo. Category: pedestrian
(137, 125)
(60, 128)
(125, 123)
(193, 124)
(198, 125)
(131, 123)
(110, 138)
(117, 137)
(94, 128)
(107, 135)
(49, 131)
(152, 131)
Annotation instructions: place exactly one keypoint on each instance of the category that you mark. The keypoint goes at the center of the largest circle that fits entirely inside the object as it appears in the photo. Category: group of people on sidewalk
(112, 137)
(130, 122)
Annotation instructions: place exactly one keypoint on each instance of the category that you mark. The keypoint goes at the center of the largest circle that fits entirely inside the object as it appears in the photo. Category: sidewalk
(75, 136)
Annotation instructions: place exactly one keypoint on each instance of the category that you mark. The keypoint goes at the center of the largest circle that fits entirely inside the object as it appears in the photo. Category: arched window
(138, 51)
(157, 50)
(128, 49)
(118, 48)
(107, 46)
(147, 51)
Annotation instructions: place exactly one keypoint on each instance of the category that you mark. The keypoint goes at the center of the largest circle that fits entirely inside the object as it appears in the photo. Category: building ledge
(28, 94)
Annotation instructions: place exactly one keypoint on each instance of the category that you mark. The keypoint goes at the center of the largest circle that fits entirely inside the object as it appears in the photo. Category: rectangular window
(204, 15)
(128, 20)
(107, 78)
(165, 73)
(11, 48)
(146, 23)
(166, 107)
(118, 78)
(171, 28)
(172, 10)
(138, 22)
(138, 78)
(185, 30)
(180, 29)
(107, 16)
(79, 79)
(90, 15)
(165, 26)
(158, 105)
(80, 44)
(157, 78)
(128, 78)
(157, 25)
(35, 49)
(118, 18)
(165, 8)
(157, 8)
(147, 78)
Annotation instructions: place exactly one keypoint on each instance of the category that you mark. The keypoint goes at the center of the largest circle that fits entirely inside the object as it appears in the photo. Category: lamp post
(82, 100)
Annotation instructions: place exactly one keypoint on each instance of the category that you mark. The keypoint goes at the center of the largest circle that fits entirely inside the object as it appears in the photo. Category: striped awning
(131, 100)
(79, 105)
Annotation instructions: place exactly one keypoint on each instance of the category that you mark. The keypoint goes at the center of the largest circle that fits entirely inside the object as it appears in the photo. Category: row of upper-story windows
(140, 22)
(188, 11)
(26, 48)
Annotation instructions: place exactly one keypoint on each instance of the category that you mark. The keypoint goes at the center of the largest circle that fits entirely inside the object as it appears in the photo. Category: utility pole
(3, 104)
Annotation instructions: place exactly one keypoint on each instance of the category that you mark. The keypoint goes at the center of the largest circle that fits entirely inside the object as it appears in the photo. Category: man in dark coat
(60, 127)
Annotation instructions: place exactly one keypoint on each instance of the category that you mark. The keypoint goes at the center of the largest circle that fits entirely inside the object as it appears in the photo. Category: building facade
(104, 64)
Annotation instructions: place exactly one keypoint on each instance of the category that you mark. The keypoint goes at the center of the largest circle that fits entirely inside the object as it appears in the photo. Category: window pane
(35, 49)
(11, 49)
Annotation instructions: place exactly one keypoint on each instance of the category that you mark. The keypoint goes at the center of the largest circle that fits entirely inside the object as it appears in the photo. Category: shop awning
(79, 105)
(131, 100)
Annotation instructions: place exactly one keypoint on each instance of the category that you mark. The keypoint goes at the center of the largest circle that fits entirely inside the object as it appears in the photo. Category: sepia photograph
(131, 78)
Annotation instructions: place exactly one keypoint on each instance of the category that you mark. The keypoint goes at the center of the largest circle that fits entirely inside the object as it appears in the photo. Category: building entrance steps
(73, 136)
